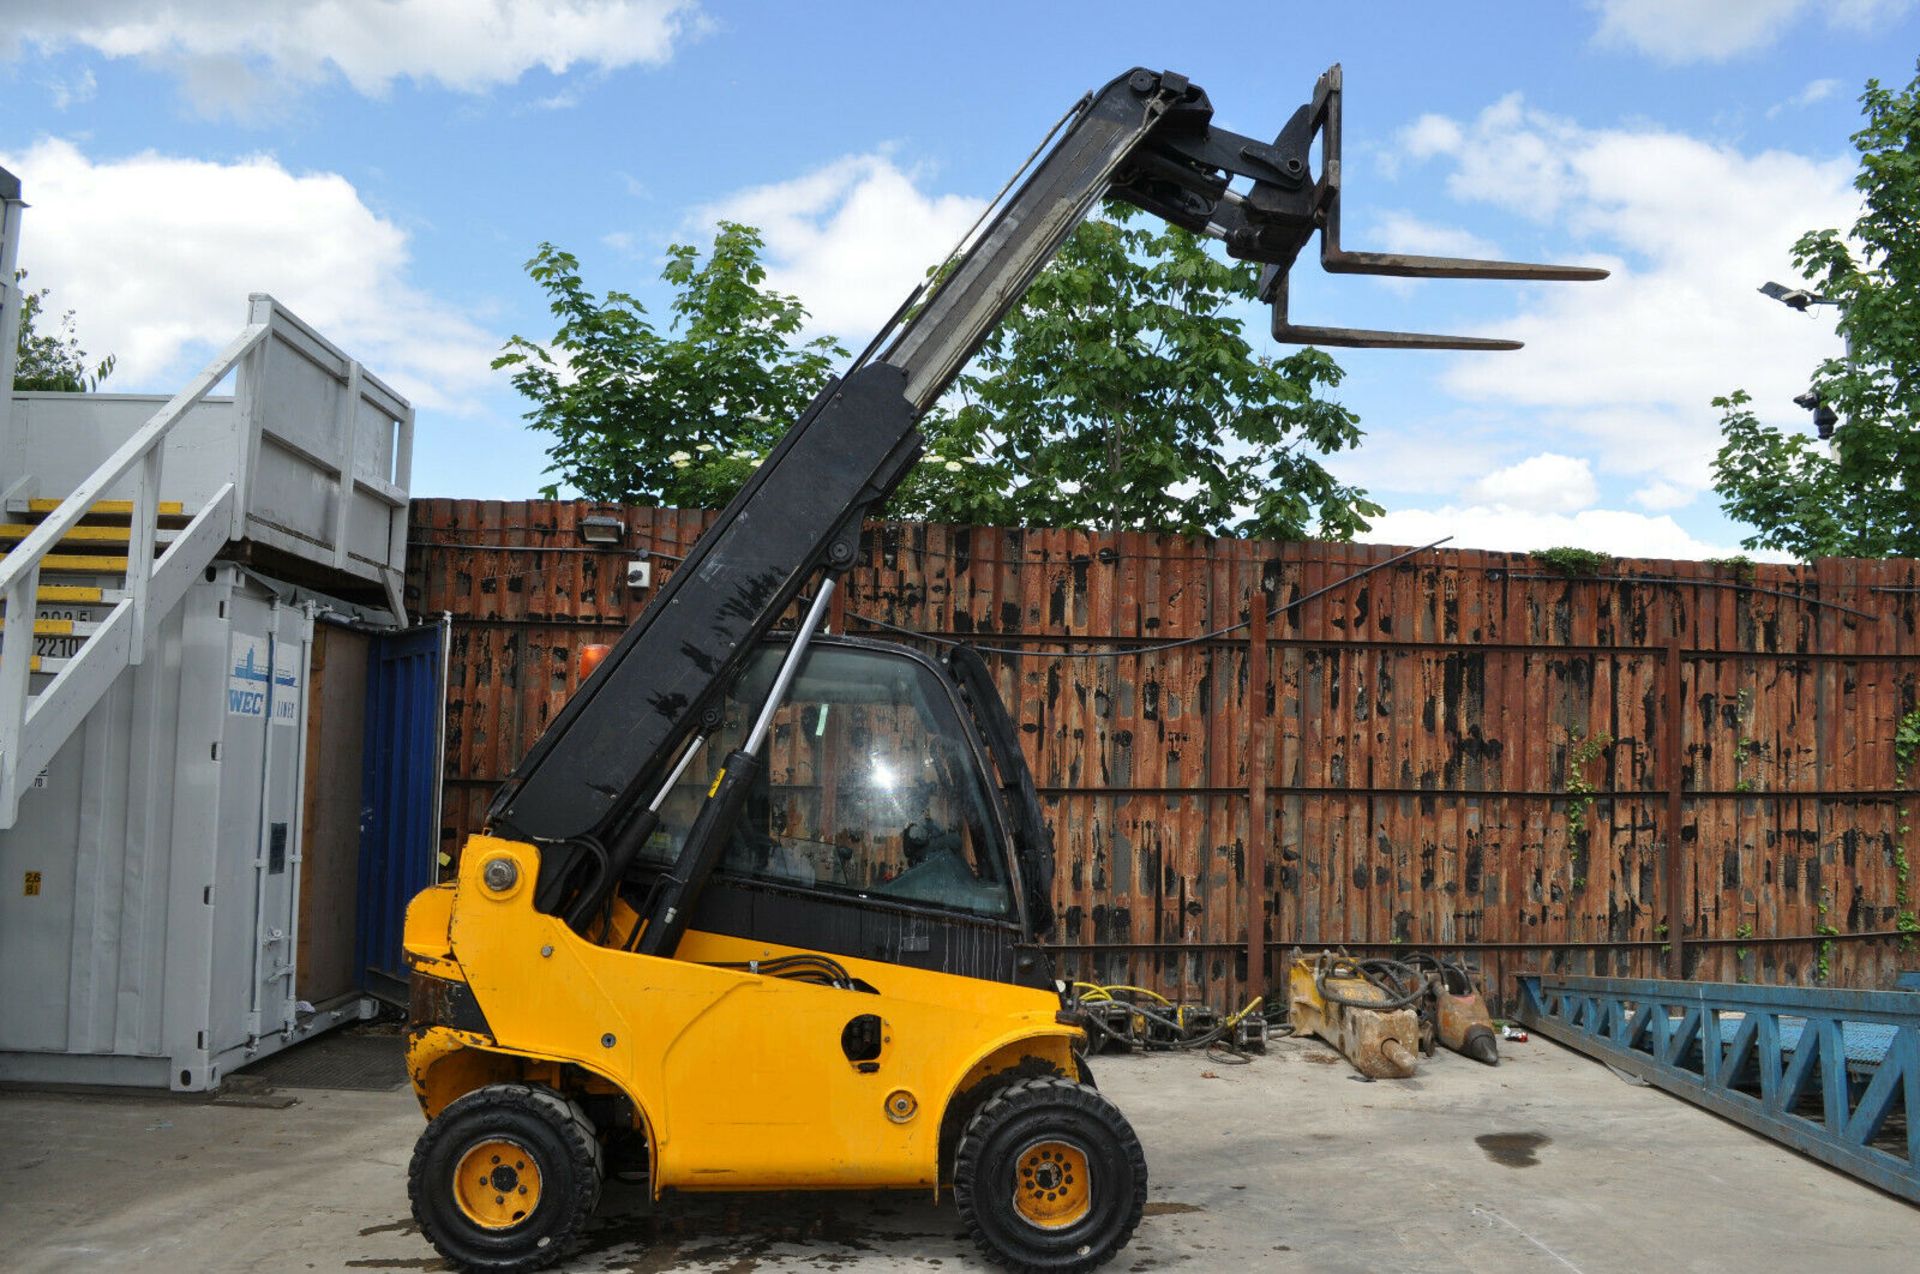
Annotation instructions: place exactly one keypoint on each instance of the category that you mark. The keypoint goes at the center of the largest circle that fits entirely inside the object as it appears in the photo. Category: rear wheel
(505, 1178)
(1049, 1176)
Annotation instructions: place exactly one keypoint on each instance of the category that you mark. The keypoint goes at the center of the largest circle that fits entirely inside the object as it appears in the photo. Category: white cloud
(1865, 15)
(1660, 495)
(1614, 531)
(1400, 231)
(1546, 483)
(230, 54)
(1678, 31)
(1531, 178)
(1815, 91)
(72, 92)
(850, 239)
(156, 254)
(1404, 232)
(1401, 455)
(1694, 30)
(1431, 135)
(1623, 370)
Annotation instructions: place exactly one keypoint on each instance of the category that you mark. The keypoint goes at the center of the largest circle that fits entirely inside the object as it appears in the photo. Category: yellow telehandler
(767, 911)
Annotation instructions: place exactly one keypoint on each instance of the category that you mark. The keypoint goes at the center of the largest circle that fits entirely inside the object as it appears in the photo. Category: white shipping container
(149, 893)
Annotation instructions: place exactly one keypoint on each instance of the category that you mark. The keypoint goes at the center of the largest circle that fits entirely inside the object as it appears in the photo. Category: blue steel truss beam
(1752, 1054)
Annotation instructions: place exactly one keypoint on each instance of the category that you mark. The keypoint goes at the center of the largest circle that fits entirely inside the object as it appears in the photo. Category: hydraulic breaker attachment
(1373, 1025)
(1465, 1025)
(1453, 1011)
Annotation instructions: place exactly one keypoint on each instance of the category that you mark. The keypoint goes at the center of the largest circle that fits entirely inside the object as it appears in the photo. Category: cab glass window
(869, 787)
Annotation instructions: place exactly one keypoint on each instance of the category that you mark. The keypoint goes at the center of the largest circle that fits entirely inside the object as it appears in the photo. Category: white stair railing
(32, 728)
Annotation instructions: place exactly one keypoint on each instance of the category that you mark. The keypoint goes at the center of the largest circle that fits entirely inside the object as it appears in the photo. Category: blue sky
(384, 167)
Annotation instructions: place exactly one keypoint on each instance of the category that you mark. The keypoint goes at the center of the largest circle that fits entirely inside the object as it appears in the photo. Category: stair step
(100, 508)
(56, 657)
(82, 564)
(59, 627)
(86, 537)
(77, 595)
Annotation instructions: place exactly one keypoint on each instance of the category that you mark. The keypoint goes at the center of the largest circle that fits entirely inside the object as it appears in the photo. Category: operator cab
(874, 828)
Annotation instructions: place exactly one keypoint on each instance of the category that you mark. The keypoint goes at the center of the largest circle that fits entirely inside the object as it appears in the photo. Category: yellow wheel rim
(497, 1184)
(1052, 1188)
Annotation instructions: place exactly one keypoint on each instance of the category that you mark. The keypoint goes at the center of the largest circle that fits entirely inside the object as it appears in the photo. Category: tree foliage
(52, 359)
(678, 418)
(1122, 394)
(1862, 499)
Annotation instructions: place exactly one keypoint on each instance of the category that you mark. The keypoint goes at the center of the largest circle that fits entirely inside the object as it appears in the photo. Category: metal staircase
(113, 509)
(85, 575)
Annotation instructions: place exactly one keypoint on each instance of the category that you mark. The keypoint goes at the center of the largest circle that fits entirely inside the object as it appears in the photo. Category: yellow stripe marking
(91, 534)
(69, 593)
(123, 508)
(83, 562)
(49, 627)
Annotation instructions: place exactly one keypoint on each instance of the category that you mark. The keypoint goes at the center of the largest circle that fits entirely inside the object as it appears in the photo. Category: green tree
(52, 360)
(677, 418)
(1862, 499)
(1121, 393)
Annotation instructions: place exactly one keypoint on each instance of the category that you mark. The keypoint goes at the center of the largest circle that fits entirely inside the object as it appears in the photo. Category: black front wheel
(505, 1178)
(1049, 1176)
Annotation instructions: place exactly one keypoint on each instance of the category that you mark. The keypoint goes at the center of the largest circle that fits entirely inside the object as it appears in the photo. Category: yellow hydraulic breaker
(1369, 1017)
(1465, 1025)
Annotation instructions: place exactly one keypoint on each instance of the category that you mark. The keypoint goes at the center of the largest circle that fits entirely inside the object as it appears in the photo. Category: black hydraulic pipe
(564, 870)
(613, 868)
(707, 839)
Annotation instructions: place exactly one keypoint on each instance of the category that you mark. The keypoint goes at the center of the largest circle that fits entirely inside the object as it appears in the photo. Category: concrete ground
(1549, 1163)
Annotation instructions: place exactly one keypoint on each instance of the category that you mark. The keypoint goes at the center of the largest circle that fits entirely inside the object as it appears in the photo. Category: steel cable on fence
(1111, 557)
(1151, 644)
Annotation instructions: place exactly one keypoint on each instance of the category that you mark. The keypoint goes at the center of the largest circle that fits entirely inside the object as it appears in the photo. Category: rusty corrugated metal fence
(1387, 765)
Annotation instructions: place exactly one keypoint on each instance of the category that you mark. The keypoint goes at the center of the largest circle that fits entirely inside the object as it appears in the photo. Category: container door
(255, 888)
(399, 795)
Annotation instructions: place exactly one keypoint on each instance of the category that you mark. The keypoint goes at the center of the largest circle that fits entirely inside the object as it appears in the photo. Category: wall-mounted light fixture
(599, 528)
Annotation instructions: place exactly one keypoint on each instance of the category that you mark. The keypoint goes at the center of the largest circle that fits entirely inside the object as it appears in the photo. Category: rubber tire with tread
(984, 1165)
(562, 1140)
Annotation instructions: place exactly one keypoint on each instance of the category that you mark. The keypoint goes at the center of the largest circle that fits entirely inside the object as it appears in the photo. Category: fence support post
(1672, 770)
(1259, 760)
